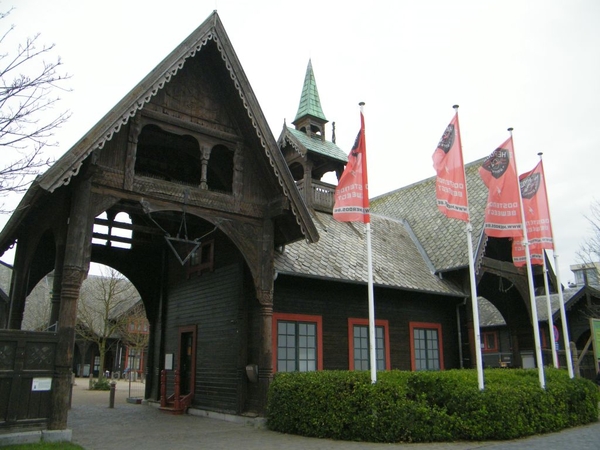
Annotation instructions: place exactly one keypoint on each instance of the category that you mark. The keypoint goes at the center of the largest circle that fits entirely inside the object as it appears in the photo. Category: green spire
(310, 104)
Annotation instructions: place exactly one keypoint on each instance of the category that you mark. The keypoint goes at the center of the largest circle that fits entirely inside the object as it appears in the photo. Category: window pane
(296, 346)
(491, 340)
(361, 347)
(426, 351)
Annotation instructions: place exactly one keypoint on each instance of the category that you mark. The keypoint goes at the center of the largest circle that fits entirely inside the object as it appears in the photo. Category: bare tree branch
(100, 311)
(28, 121)
(589, 250)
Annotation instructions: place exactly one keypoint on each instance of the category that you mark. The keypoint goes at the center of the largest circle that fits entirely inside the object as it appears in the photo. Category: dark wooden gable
(196, 100)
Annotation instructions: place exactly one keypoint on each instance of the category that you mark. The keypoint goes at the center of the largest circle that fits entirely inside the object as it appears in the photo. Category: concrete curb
(33, 437)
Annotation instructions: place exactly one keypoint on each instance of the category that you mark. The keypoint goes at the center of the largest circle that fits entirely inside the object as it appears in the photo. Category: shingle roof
(340, 254)
(310, 103)
(312, 144)
(443, 239)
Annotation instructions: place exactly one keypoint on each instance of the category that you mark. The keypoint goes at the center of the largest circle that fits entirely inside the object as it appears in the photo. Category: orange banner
(450, 184)
(503, 209)
(352, 192)
(537, 217)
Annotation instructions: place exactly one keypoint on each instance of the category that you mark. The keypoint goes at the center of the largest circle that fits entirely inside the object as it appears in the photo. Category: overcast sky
(531, 65)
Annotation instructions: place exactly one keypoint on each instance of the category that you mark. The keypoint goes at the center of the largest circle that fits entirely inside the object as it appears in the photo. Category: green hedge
(428, 406)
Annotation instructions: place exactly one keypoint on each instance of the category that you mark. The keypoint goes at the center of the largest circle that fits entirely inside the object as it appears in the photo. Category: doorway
(187, 359)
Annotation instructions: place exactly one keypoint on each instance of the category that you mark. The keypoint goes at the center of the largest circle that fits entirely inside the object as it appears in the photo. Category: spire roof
(310, 104)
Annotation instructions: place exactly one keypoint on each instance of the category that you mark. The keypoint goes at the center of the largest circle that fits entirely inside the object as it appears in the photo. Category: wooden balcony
(320, 197)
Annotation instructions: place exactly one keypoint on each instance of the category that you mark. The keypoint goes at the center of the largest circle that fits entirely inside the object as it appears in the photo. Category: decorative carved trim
(135, 128)
(265, 298)
(147, 96)
(71, 281)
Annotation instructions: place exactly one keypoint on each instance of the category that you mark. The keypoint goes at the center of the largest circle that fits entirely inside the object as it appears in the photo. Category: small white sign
(41, 384)
(169, 361)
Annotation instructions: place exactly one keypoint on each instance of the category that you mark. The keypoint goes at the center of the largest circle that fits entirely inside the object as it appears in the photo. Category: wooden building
(581, 302)
(232, 246)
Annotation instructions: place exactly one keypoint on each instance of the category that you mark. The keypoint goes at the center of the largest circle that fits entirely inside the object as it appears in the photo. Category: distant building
(586, 273)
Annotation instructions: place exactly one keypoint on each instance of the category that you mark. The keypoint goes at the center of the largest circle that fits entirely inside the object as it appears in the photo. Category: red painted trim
(485, 341)
(298, 318)
(363, 322)
(188, 329)
(430, 326)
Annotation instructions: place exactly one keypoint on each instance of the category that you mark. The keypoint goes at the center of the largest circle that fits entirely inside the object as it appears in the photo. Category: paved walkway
(95, 426)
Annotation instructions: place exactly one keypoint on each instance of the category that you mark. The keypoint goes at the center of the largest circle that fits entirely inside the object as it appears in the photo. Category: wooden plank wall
(336, 302)
(211, 302)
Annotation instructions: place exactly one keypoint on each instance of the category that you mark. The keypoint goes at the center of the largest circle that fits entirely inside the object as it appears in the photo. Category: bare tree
(135, 333)
(28, 82)
(100, 311)
(589, 250)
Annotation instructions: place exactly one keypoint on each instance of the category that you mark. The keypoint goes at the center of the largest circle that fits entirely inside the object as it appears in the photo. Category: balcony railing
(322, 195)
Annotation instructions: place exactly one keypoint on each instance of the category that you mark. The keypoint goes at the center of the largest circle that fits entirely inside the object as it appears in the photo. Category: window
(426, 345)
(202, 260)
(113, 229)
(358, 343)
(490, 341)
(297, 343)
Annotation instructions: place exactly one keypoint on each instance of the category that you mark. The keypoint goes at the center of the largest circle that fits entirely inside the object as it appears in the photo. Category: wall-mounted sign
(169, 361)
(41, 384)
(595, 329)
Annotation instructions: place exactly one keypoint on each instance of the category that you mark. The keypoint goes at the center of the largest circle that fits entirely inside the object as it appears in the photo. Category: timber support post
(265, 363)
(74, 272)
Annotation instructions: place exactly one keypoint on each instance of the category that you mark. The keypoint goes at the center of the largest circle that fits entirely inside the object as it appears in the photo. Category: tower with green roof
(308, 153)
(310, 118)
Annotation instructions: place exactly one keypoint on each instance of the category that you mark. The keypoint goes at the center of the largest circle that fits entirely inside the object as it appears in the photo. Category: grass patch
(44, 446)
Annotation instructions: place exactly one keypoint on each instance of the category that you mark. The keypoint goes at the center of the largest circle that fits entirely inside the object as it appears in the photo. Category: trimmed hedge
(428, 406)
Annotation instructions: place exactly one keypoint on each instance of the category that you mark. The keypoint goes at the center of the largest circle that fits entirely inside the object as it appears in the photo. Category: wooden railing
(175, 403)
(322, 195)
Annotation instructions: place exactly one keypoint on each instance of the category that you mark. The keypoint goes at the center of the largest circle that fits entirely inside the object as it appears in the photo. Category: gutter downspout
(458, 327)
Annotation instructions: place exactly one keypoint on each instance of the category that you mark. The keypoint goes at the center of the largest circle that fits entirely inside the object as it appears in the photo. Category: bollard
(113, 388)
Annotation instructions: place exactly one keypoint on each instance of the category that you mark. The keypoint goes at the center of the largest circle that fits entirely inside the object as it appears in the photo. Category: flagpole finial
(455, 106)
(510, 129)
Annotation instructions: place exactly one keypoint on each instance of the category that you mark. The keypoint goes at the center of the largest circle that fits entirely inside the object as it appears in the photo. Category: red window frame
(485, 338)
(318, 320)
(363, 322)
(430, 326)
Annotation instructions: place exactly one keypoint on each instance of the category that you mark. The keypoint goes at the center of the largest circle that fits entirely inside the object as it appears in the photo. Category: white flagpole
(372, 342)
(372, 349)
(561, 300)
(475, 308)
(532, 302)
(549, 309)
(473, 283)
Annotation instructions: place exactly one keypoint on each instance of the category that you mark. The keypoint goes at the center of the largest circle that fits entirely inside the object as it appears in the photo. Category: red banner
(503, 209)
(537, 217)
(352, 192)
(450, 184)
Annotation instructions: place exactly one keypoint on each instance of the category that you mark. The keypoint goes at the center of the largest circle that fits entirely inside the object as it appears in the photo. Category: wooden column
(265, 360)
(205, 157)
(74, 271)
(57, 285)
(264, 294)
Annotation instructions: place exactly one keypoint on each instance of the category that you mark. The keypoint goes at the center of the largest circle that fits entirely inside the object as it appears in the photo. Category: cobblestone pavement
(95, 426)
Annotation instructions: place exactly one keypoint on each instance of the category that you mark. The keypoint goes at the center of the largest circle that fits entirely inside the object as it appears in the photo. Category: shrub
(101, 385)
(428, 406)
